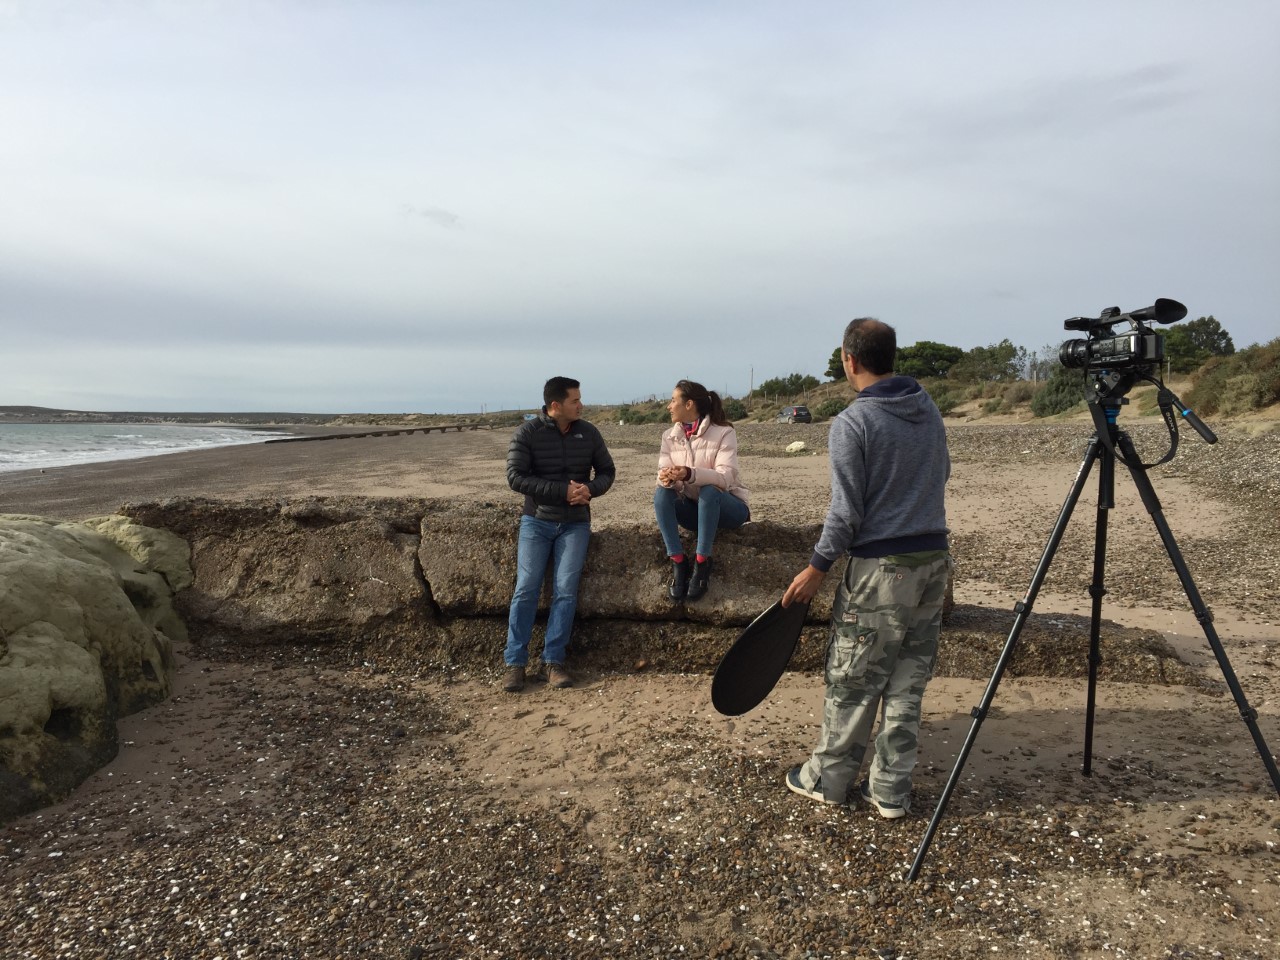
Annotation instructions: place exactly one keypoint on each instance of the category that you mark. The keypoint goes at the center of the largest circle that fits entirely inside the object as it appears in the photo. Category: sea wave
(32, 446)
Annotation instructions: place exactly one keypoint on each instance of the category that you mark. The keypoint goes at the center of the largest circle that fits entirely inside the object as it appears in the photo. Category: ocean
(33, 446)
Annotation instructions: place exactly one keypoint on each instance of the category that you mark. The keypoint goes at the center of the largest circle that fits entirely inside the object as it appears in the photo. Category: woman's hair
(707, 401)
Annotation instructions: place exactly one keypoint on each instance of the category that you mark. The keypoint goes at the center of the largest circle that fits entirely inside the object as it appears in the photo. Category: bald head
(872, 343)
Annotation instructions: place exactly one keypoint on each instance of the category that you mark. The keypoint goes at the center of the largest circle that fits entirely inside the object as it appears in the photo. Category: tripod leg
(1152, 503)
(1098, 590)
(1022, 611)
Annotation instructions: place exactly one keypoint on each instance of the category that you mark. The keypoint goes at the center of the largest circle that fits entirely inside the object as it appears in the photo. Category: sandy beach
(282, 804)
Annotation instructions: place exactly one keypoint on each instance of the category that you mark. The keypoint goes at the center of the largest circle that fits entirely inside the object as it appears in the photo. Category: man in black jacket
(559, 463)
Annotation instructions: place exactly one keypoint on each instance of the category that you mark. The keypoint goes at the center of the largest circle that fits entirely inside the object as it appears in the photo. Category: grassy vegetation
(1240, 383)
(1231, 385)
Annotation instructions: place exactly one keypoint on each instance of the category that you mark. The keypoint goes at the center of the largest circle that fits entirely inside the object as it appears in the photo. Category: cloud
(436, 215)
(690, 190)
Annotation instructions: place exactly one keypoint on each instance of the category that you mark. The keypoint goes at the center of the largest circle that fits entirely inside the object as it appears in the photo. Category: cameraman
(889, 465)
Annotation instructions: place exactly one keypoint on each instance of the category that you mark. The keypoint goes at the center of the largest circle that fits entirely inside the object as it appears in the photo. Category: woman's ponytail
(707, 401)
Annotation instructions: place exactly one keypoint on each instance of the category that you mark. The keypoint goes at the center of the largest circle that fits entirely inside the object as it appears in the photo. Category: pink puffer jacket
(712, 453)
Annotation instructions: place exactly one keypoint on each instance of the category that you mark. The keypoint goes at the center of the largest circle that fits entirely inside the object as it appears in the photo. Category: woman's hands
(669, 476)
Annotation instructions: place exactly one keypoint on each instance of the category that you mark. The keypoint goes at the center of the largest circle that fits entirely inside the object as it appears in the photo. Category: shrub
(735, 409)
(945, 400)
(1019, 392)
(993, 405)
(829, 408)
(1243, 381)
(1064, 389)
(654, 412)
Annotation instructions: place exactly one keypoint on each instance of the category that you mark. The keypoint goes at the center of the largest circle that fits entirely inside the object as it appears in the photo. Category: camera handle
(1102, 447)
(1105, 410)
(1167, 400)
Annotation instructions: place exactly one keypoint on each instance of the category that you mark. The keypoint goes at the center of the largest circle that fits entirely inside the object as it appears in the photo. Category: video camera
(1140, 347)
(1112, 363)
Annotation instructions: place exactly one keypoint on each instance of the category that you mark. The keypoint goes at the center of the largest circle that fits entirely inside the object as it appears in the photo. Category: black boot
(700, 580)
(679, 579)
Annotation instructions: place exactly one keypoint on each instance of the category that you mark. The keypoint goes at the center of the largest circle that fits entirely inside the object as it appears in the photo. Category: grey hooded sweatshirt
(889, 465)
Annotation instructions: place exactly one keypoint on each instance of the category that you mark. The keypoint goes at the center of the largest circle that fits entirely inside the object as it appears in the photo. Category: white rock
(86, 633)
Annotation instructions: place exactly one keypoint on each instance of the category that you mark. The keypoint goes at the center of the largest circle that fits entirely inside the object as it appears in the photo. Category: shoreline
(232, 435)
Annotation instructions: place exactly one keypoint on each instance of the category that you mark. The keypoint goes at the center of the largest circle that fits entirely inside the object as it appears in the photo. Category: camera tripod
(1107, 444)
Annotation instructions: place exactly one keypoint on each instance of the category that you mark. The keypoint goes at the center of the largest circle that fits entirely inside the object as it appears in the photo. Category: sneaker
(890, 811)
(513, 682)
(795, 786)
(558, 676)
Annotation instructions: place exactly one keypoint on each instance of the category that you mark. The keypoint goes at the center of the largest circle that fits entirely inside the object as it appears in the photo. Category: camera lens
(1074, 353)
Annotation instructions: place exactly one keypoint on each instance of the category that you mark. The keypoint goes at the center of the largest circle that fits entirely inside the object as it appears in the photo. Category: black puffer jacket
(541, 461)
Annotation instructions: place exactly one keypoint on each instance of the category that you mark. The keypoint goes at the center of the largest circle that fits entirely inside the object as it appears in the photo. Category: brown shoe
(558, 676)
(514, 680)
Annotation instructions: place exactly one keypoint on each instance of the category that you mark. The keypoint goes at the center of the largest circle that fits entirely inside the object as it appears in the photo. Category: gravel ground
(335, 815)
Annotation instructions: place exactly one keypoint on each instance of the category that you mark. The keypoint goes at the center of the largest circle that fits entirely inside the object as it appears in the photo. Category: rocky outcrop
(86, 631)
(432, 579)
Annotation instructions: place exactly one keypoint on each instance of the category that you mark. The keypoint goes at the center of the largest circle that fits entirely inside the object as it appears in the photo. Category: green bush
(1063, 391)
(993, 405)
(735, 409)
(654, 412)
(945, 400)
(829, 408)
(944, 394)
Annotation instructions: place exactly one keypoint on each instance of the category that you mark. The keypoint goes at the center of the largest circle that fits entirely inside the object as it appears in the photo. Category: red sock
(702, 559)
(677, 558)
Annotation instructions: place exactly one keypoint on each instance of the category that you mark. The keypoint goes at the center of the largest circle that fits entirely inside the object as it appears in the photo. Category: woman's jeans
(713, 510)
(565, 545)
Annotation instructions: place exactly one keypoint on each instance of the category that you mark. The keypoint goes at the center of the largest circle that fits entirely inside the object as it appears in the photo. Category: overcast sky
(434, 206)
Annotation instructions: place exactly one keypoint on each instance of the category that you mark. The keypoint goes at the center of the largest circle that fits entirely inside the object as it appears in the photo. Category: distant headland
(29, 414)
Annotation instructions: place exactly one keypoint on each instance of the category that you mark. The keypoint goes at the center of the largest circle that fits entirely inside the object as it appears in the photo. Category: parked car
(795, 415)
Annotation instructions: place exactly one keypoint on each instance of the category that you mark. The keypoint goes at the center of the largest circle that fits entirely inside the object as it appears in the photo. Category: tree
(835, 366)
(788, 386)
(1188, 345)
(995, 362)
(926, 359)
(1207, 334)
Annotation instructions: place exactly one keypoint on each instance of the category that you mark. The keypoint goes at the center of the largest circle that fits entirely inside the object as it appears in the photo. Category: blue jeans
(565, 545)
(713, 510)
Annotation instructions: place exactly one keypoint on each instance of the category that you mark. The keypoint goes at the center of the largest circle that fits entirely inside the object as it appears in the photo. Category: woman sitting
(698, 484)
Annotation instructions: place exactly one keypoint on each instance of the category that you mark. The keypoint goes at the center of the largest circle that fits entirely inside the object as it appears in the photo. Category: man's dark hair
(872, 343)
(557, 388)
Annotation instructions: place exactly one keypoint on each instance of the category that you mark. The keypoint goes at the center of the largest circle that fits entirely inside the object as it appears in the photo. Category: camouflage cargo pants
(884, 642)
